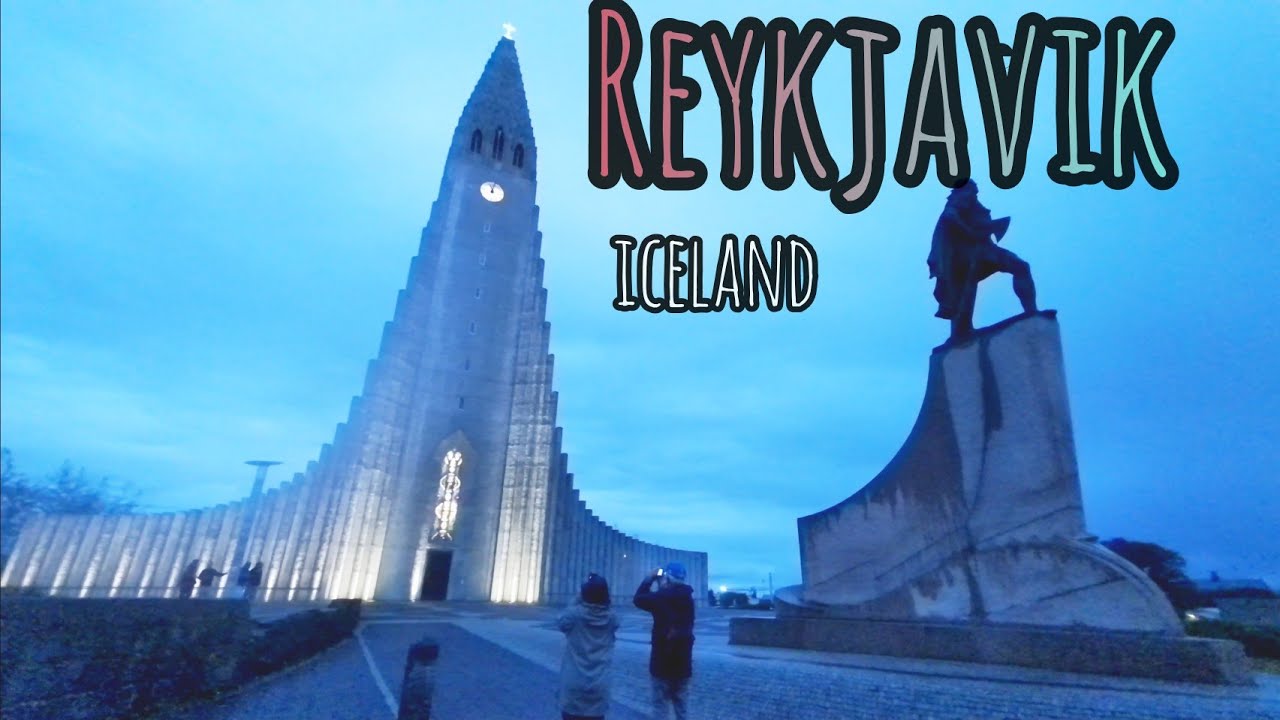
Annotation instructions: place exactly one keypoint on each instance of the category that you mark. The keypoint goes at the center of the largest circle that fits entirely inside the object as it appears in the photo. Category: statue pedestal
(1110, 652)
(971, 544)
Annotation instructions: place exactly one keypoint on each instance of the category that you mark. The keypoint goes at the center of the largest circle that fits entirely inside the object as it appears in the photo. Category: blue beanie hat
(675, 571)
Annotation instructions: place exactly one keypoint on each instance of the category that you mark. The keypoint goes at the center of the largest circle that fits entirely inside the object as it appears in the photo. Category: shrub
(1259, 642)
(296, 637)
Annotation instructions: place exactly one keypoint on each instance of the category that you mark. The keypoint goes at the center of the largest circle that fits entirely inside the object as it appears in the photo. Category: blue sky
(208, 209)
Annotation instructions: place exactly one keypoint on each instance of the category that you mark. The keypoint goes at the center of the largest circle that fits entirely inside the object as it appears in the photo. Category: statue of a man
(964, 254)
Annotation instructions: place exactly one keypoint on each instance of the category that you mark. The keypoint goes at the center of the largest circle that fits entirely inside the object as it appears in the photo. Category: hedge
(1259, 642)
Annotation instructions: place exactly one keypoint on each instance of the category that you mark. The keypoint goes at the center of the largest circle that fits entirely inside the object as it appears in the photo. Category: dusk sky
(207, 211)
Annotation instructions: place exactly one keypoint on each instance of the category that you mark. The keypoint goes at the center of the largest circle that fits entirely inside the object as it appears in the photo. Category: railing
(228, 592)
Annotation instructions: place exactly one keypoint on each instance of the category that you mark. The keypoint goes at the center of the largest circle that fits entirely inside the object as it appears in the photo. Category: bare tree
(65, 491)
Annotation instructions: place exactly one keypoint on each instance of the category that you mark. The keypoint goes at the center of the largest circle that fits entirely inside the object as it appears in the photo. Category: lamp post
(250, 511)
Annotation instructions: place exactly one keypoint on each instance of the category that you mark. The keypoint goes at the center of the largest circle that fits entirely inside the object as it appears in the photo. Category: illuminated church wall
(451, 447)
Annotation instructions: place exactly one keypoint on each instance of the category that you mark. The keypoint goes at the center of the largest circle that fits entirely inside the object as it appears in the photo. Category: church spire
(495, 121)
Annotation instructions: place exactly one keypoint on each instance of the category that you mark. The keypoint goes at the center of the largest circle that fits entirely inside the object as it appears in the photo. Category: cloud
(182, 446)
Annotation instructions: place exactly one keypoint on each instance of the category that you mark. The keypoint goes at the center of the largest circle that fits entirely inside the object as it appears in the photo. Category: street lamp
(250, 510)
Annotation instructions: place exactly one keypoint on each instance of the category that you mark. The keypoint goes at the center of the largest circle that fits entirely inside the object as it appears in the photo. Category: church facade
(447, 481)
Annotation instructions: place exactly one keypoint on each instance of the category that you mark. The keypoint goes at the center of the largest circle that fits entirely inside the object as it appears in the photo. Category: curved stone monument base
(1056, 581)
(971, 543)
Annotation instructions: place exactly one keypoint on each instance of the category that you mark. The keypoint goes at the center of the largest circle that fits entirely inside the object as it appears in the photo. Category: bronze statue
(964, 254)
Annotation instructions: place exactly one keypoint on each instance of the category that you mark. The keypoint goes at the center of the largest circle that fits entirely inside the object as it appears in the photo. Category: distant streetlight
(251, 510)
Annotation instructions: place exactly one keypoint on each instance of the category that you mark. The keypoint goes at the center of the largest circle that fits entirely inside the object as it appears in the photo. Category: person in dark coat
(208, 582)
(187, 581)
(255, 580)
(671, 651)
(590, 627)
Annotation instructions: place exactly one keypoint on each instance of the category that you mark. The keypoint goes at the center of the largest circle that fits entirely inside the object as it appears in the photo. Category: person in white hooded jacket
(590, 627)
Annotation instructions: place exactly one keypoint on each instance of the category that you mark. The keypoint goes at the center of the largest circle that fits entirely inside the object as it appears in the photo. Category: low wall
(1114, 653)
(97, 659)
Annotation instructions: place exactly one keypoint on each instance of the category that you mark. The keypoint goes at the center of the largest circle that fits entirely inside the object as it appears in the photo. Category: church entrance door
(435, 579)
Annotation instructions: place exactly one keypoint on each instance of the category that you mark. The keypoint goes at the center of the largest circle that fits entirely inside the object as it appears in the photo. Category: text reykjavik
(933, 123)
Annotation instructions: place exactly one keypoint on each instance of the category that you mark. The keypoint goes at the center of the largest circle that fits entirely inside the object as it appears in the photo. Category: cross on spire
(508, 31)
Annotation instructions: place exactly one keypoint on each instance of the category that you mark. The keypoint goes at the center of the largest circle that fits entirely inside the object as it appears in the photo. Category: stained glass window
(447, 496)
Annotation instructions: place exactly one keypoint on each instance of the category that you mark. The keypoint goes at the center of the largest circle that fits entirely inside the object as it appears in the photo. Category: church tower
(465, 320)
(447, 481)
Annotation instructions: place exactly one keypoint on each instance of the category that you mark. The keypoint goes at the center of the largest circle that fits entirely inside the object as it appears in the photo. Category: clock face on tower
(491, 191)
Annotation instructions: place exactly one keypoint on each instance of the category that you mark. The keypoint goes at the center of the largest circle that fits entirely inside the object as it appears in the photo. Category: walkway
(503, 662)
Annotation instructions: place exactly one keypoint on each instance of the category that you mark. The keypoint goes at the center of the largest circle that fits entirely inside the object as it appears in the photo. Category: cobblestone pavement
(498, 663)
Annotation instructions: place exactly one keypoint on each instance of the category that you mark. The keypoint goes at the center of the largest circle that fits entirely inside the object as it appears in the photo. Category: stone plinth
(1116, 653)
(975, 531)
(979, 516)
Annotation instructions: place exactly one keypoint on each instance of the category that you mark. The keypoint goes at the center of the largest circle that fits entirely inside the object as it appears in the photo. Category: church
(447, 481)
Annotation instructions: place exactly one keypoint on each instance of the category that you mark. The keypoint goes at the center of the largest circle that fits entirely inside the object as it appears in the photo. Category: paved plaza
(503, 662)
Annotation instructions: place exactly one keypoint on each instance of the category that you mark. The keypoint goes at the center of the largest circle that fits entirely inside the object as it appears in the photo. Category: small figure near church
(671, 653)
(590, 627)
(963, 255)
(242, 580)
(255, 580)
(187, 581)
(208, 582)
